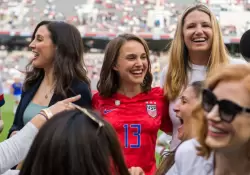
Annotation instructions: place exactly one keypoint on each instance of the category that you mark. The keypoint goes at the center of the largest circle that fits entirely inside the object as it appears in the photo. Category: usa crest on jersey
(151, 109)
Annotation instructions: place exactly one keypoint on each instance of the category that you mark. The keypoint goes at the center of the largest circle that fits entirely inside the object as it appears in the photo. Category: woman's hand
(39, 120)
(136, 171)
(63, 105)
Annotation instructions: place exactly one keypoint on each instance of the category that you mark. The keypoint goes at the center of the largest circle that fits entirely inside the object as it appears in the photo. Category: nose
(198, 30)
(214, 114)
(32, 45)
(139, 62)
(177, 106)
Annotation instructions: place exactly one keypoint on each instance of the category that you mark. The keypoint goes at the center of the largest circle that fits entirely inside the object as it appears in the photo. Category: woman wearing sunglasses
(125, 98)
(223, 144)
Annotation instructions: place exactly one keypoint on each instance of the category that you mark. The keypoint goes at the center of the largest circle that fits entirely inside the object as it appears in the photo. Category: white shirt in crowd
(195, 73)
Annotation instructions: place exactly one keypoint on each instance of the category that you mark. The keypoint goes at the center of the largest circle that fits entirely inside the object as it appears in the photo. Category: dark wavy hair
(167, 159)
(73, 144)
(68, 61)
(108, 83)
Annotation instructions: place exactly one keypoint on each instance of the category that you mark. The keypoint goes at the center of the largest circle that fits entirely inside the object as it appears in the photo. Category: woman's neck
(232, 162)
(199, 58)
(130, 91)
(48, 77)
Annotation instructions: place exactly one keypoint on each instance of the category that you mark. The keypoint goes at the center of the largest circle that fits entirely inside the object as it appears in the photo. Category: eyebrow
(39, 36)
(133, 54)
(184, 97)
(203, 22)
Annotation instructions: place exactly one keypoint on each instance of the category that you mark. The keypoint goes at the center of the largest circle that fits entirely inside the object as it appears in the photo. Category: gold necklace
(50, 92)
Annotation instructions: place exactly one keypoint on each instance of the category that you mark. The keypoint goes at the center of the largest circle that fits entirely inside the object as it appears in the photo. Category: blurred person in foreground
(56, 71)
(15, 149)
(223, 117)
(76, 142)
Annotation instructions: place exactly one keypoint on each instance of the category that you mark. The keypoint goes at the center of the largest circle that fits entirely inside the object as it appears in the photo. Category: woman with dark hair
(128, 102)
(56, 71)
(183, 108)
(77, 142)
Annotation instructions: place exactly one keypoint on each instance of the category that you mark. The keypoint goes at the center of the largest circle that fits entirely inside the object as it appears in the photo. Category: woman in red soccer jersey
(125, 98)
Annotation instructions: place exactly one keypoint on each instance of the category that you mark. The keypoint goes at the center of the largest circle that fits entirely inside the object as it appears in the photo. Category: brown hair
(240, 72)
(71, 143)
(108, 83)
(167, 160)
(178, 64)
(68, 63)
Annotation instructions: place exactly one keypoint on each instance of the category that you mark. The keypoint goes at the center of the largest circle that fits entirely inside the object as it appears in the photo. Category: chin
(35, 65)
(216, 144)
(201, 49)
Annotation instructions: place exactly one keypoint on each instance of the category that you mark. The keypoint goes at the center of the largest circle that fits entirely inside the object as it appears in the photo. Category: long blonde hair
(238, 72)
(176, 76)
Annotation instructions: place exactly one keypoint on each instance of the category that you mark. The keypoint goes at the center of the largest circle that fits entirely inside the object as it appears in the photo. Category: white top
(196, 73)
(187, 161)
(15, 149)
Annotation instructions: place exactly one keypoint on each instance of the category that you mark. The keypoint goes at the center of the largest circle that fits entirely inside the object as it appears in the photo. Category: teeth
(137, 72)
(35, 54)
(199, 39)
(211, 128)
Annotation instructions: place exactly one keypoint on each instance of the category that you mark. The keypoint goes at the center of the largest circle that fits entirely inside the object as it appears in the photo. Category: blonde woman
(197, 50)
(223, 143)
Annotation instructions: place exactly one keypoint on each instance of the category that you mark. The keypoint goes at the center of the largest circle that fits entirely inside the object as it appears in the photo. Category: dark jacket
(77, 87)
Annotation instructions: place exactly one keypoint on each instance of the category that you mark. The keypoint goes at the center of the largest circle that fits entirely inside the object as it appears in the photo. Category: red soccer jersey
(137, 121)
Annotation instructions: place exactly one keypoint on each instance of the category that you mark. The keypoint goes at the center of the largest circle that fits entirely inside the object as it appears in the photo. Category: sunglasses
(87, 113)
(227, 109)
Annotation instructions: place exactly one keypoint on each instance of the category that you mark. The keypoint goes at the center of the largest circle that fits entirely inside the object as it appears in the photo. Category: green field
(7, 115)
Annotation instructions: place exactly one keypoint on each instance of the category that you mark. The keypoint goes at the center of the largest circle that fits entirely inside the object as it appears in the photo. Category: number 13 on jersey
(136, 134)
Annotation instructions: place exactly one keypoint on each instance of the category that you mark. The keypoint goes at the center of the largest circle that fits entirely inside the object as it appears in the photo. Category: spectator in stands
(197, 49)
(15, 149)
(16, 91)
(1, 104)
(75, 142)
(56, 71)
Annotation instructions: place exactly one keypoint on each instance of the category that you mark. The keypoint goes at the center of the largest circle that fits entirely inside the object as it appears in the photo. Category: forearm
(14, 149)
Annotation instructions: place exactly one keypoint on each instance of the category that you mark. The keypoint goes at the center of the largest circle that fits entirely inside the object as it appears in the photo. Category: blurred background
(101, 20)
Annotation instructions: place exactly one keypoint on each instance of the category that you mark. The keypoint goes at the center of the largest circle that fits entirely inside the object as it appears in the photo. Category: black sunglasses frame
(228, 110)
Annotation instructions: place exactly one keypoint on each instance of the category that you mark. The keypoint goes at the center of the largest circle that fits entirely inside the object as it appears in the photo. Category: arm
(14, 149)
(16, 124)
